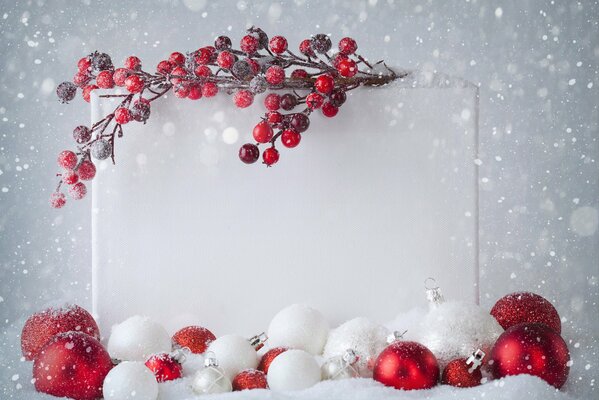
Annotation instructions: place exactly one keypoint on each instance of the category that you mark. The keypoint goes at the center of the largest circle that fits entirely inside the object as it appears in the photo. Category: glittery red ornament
(406, 365)
(165, 367)
(268, 357)
(533, 349)
(250, 379)
(195, 338)
(517, 308)
(72, 365)
(457, 373)
(42, 326)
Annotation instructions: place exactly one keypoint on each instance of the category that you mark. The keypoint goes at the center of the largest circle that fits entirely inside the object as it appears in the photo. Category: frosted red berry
(243, 98)
(84, 64)
(122, 115)
(82, 134)
(178, 72)
(275, 117)
(181, 91)
(86, 170)
(249, 153)
(104, 80)
(262, 132)
(272, 102)
(57, 200)
(222, 43)
(67, 159)
(347, 68)
(70, 177)
(299, 74)
(249, 44)
(195, 92)
(288, 101)
(205, 55)
(337, 59)
(81, 79)
(177, 58)
(290, 138)
(329, 110)
(314, 101)
(300, 122)
(347, 46)
(202, 71)
(119, 76)
(270, 156)
(209, 89)
(253, 65)
(275, 75)
(305, 47)
(225, 60)
(324, 84)
(278, 44)
(87, 92)
(133, 62)
(134, 84)
(78, 191)
(164, 67)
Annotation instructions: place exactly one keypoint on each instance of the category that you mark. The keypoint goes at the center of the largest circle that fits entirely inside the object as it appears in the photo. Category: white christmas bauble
(234, 354)
(211, 379)
(363, 336)
(136, 338)
(455, 329)
(293, 370)
(130, 380)
(299, 327)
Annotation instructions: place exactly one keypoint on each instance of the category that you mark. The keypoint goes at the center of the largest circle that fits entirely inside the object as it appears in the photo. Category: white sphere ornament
(236, 353)
(365, 337)
(211, 379)
(130, 380)
(293, 370)
(136, 338)
(299, 327)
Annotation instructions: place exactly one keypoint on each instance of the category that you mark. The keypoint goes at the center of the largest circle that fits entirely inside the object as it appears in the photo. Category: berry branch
(259, 65)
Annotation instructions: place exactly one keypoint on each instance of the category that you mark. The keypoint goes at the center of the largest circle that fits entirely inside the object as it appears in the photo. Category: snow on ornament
(130, 380)
(136, 338)
(299, 327)
(365, 337)
(236, 353)
(293, 370)
(340, 367)
(212, 378)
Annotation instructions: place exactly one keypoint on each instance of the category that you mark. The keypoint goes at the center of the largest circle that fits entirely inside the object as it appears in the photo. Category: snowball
(234, 354)
(136, 338)
(293, 370)
(300, 327)
(363, 336)
(130, 380)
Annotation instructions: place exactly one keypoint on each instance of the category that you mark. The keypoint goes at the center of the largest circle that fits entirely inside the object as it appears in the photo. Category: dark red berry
(262, 132)
(101, 61)
(278, 44)
(66, 92)
(87, 92)
(337, 98)
(177, 58)
(272, 102)
(347, 46)
(140, 111)
(81, 79)
(290, 138)
(134, 84)
(270, 156)
(324, 84)
(249, 44)
(84, 64)
(242, 70)
(260, 35)
(195, 92)
(249, 153)
(82, 134)
(70, 177)
(133, 62)
(67, 159)
(314, 101)
(209, 89)
(86, 170)
(305, 48)
(253, 65)
(288, 101)
(275, 117)
(347, 68)
(321, 43)
(119, 76)
(104, 80)
(300, 122)
(222, 43)
(57, 200)
(299, 74)
(329, 110)
(225, 60)
(164, 67)
(243, 98)
(203, 71)
(205, 55)
(275, 75)
(78, 191)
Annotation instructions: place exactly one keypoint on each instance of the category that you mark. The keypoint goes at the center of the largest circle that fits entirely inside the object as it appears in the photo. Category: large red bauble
(42, 326)
(268, 358)
(457, 373)
(406, 365)
(249, 379)
(517, 308)
(195, 338)
(533, 349)
(164, 367)
(73, 365)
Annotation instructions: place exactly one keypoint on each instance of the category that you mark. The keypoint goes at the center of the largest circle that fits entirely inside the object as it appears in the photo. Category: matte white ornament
(234, 354)
(130, 380)
(341, 366)
(365, 337)
(136, 338)
(293, 370)
(299, 327)
(212, 378)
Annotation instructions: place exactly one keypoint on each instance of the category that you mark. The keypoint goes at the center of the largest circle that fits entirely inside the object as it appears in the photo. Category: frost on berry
(258, 84)
(100, 61)
(321, 43)
(78, 191)
(70, 177)
(101, 149)
(67, 159)
(66, 92)
(86, 170)
(140, 111)
(82, 134)
(242, 69)
(243, 98)
(57, 200)
(222, 43)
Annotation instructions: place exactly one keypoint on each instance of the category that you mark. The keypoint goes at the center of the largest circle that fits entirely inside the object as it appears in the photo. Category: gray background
(536, 63)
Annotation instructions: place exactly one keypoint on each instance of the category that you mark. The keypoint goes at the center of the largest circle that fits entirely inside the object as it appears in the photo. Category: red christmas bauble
(72, 365)
(42, 326)
(456, 373)
(249, 379)
(517, 308)
(533, 349)
(195, 338)
(268, 357)
(406, 365)
(164, 367)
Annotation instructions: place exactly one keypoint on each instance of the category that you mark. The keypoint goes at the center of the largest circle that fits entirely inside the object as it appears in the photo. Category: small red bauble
(278, 44)
(314, 101)
(262, 132)
(122, 115)
(134, 84)
(195, 92)
(203, 71)
(133, 62)
(347, 68)
(268, 358)
(299, 74)
(195, 338)
(205, 55)
(329, 110)
(270, 156)
(337, 59)
(209, 89)
(72, 365)
(57, 200)
(275, 117)
(178, 72)
(104, 80)
(181, 91)
(253, 65)
(272, 102)
(249, 44)
(164, 67)
(119, 76)
(406, 365)
(324, 84)
(78, 191)
(164, 367)
(70, 177)
(347, 46)
(87, 92)
(249, 379)
(275, 75)
(457, 373)
(86, 170)
(84, 64)
(225, 60)
(243, 98)
(522, 307)
(533, 349)
(81, 79)
(249, 153)
(177, 58)
(67, 159)
(305, 47)
(290, 138)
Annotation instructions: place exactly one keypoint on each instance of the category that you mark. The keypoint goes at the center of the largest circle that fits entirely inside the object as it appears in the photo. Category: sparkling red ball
(262, 132)
(122, 115)
(522, 307)
(164, 367)
(195, 338)
(269, 356)
(249, 44)
(202, 71)
(222, 43)
(133, 62)
(329, 110)
(275, 117)
(81, 79)
(225, 60)
(120, 75)
(84, 64)
(78, 191)
(290, 138)
(57, 200)
(347, 46)
(209, 89)
(275, 75)
(299, 73)
(72, 365)
(87, 92)
(305, 47)
(195, 92)
(104, 80)
(177, 58)
(347, 68)
(164, 67)
(270, 156)
(272, 102)
(70, 177)
(86, 170)
(324, 84)
(249, 379)
(67, 159)
(243, 98)
(314, 101)
(205, 55)
(278, 44)
(134, 84)
(456, 373)
(406, 365)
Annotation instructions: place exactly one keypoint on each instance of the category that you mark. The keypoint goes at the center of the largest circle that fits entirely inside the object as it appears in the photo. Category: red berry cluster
(258, 66)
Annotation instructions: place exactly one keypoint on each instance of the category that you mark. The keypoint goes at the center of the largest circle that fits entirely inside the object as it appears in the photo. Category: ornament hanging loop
(395, 336)
(475, 360)
(210, 360)
(258, 341)
(433, 292)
